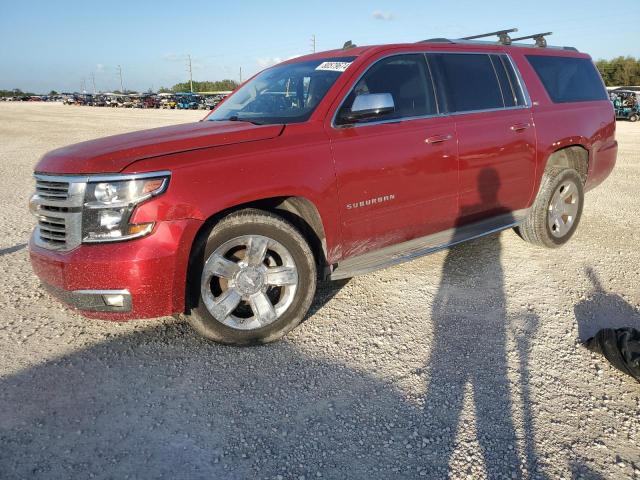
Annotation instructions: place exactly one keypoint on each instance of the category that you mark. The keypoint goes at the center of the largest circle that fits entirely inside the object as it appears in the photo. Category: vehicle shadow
(325, 291)
(163, 403)
(470, 328)
(603, 310)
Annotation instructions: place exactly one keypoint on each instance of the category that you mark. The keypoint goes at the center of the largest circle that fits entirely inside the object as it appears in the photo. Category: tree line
(620, 71)
(217, 86)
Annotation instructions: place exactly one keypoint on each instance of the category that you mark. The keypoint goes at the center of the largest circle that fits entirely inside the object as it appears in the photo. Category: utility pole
(190, 75)
(93, 81)
(82, 87)
(120, 74)
(240, 74)
(313, 43)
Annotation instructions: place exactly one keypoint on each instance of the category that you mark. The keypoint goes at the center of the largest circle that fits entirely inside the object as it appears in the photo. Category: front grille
(52, 190)
(52, 231)
(57, 205)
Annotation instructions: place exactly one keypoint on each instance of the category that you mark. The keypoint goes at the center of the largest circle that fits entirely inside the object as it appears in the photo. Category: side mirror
(371, 105)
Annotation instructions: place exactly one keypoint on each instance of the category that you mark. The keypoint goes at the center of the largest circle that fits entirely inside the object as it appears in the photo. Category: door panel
(497, 155)
(393, 185)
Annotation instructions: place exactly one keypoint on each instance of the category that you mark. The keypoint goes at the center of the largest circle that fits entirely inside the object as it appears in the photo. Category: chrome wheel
(563, 209)
(248, 282)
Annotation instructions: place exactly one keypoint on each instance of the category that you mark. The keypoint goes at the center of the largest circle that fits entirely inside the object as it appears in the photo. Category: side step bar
(412, 249)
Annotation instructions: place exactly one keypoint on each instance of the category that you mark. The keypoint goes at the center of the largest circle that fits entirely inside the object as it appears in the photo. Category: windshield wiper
(236, 118)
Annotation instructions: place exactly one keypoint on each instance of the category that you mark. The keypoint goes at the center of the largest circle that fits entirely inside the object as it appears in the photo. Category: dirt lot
(464, 364)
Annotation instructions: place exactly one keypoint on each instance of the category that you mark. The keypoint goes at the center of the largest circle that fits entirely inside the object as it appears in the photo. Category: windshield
(283, 94)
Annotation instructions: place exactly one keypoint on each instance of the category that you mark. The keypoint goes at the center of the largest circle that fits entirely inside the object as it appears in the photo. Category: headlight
(109, 204)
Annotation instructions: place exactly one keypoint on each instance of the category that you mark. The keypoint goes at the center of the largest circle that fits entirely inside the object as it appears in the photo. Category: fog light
(114, 300)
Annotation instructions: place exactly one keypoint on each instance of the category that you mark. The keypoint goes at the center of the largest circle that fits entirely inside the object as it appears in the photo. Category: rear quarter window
(568, 79)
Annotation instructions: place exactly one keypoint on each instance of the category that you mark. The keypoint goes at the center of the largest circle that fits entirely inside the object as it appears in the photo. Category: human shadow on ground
(603, 310)
(470, 325)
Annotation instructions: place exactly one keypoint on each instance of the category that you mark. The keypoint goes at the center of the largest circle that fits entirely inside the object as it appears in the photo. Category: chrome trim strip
(108, 177)
(521, 84)
(418, 247)
(102, 292)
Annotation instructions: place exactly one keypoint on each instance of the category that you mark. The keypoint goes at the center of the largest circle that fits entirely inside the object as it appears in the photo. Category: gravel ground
(464, 364)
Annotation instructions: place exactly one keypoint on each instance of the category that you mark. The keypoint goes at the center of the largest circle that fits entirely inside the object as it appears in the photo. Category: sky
(63, 45)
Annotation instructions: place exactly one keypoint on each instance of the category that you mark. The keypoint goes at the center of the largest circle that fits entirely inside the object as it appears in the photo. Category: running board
(412, 249)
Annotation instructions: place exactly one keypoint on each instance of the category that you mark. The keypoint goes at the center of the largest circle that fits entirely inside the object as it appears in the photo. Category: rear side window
(568, 79)
(469, 80)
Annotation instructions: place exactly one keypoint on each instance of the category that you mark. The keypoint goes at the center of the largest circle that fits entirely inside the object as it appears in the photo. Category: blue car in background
(187, 101)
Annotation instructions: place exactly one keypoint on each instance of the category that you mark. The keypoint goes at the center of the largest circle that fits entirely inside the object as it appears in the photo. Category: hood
(113, 154)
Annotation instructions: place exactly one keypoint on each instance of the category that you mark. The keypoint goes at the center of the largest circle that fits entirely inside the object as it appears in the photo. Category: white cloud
(384, 16)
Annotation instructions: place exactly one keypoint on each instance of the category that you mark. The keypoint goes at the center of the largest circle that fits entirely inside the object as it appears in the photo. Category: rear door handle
(439, 138)
(518, 127)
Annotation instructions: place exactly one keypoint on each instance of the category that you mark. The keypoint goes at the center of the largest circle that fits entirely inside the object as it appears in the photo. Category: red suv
(330, 165)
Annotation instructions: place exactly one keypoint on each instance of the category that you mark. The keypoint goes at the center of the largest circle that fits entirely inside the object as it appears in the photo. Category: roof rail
(538, 37)
(503, 36)
(503, 39)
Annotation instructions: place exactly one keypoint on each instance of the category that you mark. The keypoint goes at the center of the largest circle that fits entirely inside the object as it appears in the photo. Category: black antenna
(538, 37)
(503, 36)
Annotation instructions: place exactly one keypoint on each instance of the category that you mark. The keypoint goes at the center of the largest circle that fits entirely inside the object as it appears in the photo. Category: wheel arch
(572, 156)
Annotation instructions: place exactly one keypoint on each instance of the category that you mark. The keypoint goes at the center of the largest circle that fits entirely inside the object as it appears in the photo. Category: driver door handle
(438, 138)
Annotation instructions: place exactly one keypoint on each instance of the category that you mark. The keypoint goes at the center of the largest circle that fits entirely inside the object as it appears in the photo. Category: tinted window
(406, 78)
(469, 80)
(568, 79)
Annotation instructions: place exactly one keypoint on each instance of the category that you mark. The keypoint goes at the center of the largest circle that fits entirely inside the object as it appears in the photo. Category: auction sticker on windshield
(333, 66)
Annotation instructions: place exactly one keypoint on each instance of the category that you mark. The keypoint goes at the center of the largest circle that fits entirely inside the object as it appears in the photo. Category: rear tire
(556, 212)
(254, 280)
(634, 117)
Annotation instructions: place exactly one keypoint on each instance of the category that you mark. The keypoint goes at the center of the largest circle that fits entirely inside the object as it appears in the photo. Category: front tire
(255, 279)
(556, 212)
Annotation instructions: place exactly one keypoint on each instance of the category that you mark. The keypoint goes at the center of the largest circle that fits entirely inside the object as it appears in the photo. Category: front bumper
(148, 273)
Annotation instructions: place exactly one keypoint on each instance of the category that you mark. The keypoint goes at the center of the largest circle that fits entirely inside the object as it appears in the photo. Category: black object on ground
(621, 346)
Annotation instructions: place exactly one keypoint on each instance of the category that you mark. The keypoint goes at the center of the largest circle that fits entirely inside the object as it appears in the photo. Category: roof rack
(503, 36)
(538, 37)
(503, 39)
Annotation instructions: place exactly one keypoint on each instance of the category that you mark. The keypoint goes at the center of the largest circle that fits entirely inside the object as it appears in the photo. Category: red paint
(218, 165)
